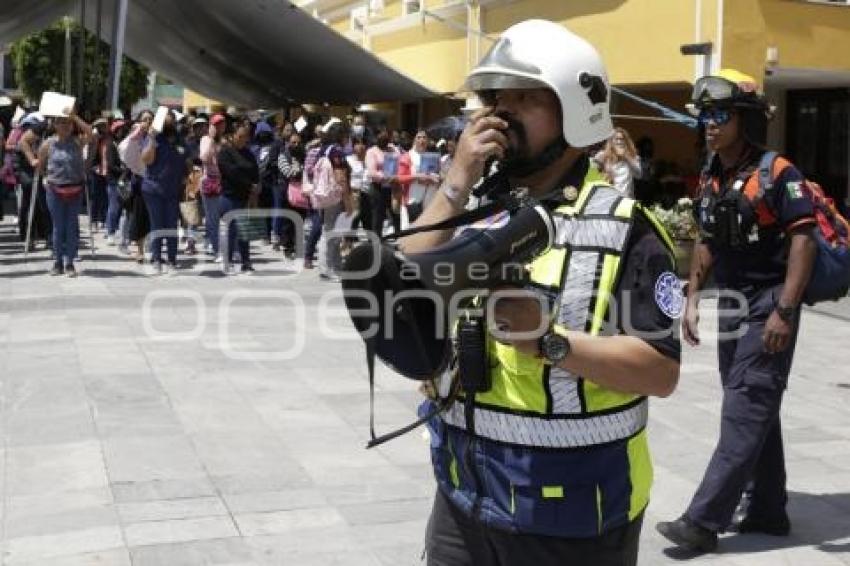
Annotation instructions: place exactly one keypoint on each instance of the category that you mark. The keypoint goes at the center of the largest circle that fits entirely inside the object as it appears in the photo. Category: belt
(553, 431)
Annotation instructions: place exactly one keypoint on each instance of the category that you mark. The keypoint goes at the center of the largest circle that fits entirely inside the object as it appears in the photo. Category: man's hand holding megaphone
(482, 139)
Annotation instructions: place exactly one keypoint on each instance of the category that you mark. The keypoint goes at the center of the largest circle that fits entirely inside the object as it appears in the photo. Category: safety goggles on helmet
(720, 116)
(713, 90)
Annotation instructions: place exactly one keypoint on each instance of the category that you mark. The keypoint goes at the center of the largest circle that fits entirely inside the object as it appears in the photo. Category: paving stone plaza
(197, 419)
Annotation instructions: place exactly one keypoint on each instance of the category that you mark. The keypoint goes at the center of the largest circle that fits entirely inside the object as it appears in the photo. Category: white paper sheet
(56, 105)
(159, 118)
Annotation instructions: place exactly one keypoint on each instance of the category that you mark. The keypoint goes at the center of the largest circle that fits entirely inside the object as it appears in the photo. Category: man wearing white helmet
(550, 465)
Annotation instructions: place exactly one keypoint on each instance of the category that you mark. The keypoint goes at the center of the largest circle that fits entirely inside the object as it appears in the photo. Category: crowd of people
(158, 194)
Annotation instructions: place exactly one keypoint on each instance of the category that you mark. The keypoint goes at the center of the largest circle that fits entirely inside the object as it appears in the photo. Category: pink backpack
(327, 191)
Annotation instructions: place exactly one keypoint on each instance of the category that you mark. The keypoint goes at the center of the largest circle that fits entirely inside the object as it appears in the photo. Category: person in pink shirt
(384, 190)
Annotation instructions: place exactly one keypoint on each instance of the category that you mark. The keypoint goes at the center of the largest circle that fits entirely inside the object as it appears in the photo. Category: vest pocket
(555, 510)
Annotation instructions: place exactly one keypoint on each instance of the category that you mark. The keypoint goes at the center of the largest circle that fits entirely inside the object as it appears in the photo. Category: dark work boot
(777, 526)
(748, 519)
(687, 534)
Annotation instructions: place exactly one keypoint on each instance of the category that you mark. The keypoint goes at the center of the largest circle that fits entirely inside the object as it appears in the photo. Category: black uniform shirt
(649, 297)
(762, 260)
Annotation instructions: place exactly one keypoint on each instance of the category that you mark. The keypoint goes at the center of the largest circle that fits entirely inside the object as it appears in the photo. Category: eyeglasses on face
(720, 116)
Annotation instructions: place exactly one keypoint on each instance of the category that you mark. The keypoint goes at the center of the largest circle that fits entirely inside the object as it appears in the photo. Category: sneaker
(190, 248)
(70, 271)
(688, 535)
(56, 270)
(218, 259)
(330, 277)
(247, 270)
(110, 240)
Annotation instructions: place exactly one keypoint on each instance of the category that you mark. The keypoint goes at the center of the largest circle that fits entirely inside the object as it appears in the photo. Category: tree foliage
(39, 60)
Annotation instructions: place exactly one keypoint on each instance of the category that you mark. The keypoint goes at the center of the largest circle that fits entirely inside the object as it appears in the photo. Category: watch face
(555, 347)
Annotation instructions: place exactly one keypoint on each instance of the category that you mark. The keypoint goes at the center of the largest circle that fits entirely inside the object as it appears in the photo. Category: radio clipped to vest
(472, 361)
(727, 221)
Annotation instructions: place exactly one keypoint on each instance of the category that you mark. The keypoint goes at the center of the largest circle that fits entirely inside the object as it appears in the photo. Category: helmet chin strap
(522, 167)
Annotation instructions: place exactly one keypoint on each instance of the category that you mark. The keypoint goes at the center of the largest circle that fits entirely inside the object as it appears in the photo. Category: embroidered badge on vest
(668, 295)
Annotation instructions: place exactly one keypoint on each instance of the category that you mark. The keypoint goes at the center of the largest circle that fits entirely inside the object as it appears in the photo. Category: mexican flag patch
(795, 189)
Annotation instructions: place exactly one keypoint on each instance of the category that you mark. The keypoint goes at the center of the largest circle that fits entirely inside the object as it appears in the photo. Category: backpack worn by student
(830, 278)
(327, 191)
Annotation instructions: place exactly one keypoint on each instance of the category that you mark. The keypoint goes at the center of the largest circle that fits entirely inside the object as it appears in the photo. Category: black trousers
(380, 206)
(42, 226)
(453, 539)
(749, 454)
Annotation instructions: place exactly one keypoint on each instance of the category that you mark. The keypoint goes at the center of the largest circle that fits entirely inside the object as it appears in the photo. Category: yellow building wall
(193, 99)
(638, 39)
(807, 35)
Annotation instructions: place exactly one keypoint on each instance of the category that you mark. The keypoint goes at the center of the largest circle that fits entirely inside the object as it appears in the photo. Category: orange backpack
(830, 279)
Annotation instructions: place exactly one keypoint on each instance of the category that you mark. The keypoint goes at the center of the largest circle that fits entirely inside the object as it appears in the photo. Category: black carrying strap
(463, 219)
(371, 353)
(440, 406)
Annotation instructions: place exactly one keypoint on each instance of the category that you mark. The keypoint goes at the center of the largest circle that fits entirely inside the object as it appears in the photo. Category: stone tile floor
(160, 421)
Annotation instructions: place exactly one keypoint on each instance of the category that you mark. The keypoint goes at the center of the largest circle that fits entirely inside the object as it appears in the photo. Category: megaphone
(407, 308)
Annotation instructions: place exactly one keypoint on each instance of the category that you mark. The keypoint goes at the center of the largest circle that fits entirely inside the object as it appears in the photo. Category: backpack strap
(765, 172)
(766, 184)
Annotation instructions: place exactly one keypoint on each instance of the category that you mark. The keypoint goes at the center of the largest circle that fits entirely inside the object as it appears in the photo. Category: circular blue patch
(668, 294)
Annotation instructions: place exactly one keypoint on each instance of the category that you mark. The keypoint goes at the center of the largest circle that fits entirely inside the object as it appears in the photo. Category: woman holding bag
(291, 165)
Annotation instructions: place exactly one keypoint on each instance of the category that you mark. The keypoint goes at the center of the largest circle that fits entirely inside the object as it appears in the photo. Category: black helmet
(734, 90)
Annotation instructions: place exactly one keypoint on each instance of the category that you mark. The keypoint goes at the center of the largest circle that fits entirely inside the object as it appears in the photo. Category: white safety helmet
(540, 53)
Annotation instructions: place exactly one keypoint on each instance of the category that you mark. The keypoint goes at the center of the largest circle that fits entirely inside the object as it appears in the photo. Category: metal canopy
(253, 53)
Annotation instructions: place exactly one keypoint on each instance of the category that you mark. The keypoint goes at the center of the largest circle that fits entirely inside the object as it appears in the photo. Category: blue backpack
(830, 280)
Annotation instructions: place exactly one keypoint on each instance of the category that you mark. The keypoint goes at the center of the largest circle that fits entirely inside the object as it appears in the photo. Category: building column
(116, 52)
(473, 34)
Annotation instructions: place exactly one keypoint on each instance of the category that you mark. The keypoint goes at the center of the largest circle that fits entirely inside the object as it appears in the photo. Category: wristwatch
(785, 313)
(554, 347)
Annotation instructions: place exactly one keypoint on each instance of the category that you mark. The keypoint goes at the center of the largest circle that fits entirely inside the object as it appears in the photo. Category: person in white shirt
(130, 149)
(423, 186)
(620, 162)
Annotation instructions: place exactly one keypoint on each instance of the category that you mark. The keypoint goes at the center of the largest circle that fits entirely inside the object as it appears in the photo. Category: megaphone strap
(463, 219)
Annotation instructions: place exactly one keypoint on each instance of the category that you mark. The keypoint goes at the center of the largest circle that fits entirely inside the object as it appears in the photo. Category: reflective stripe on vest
(542, 432)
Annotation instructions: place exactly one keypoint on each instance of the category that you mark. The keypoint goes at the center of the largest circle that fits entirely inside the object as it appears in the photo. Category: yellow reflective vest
(553, 453)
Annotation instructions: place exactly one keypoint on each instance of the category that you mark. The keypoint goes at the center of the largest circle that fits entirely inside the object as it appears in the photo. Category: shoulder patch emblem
(669, 295)
(794, 190)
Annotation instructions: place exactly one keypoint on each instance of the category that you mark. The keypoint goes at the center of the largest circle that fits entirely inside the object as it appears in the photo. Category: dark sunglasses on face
(719, 116)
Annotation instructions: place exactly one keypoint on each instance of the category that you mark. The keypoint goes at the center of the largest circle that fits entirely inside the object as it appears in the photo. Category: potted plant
(681, 225)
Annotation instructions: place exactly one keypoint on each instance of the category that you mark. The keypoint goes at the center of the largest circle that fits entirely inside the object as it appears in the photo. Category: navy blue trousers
(749, 453)
(164, 212)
